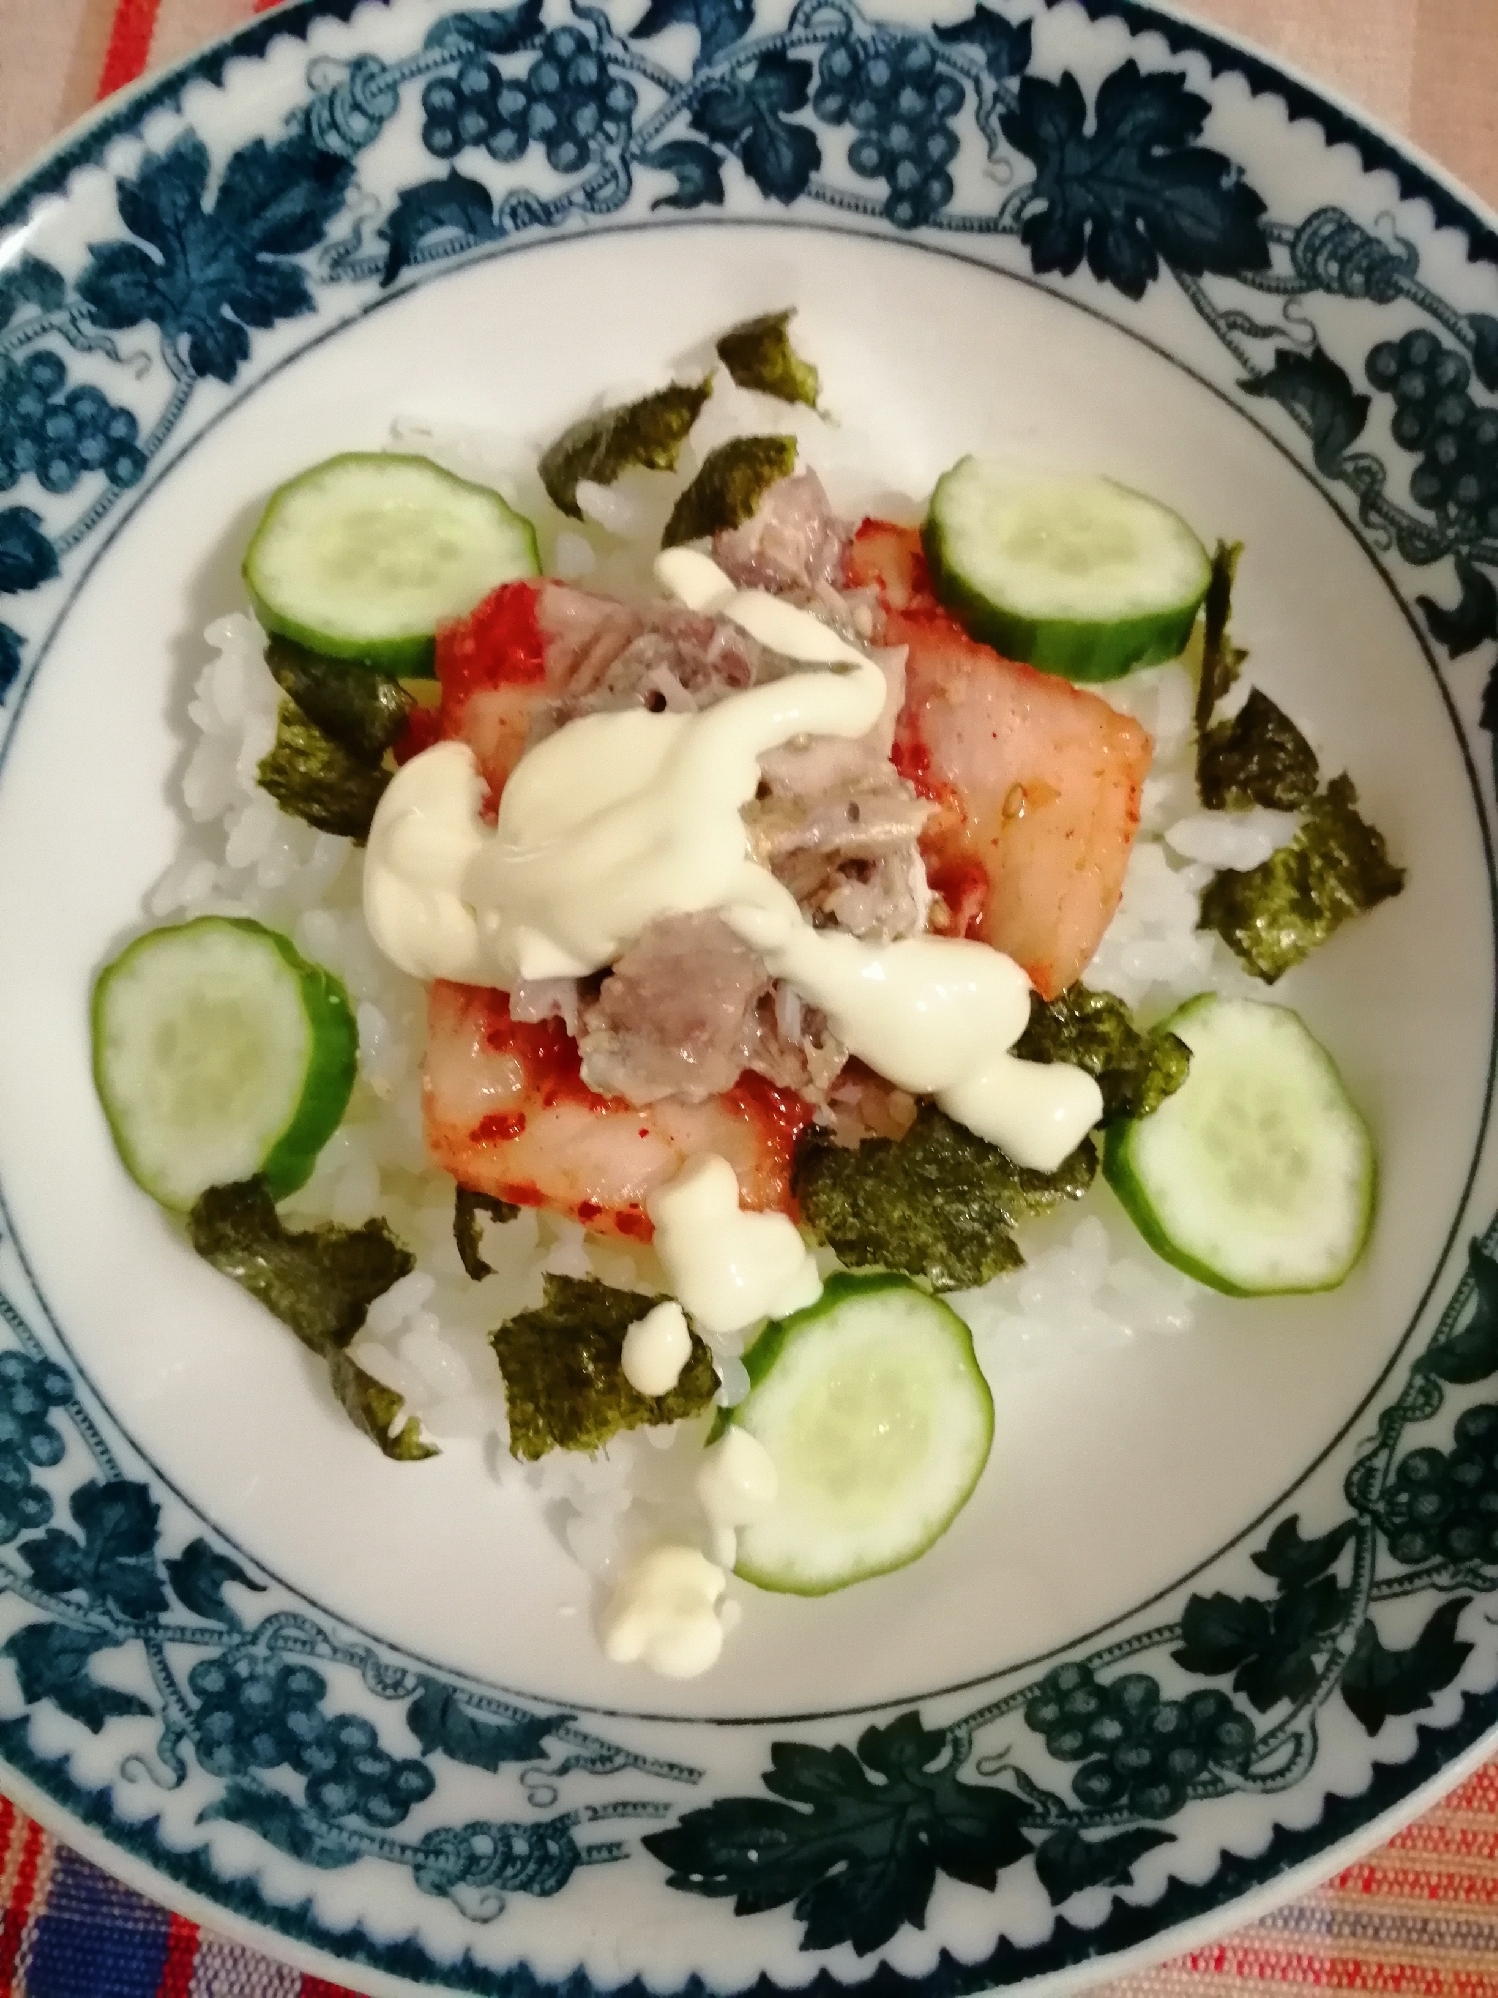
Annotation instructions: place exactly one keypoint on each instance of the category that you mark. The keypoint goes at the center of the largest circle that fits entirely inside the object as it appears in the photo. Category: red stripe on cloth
(181, 1954)
(129, 43)
(13, 1923)
(264, 6)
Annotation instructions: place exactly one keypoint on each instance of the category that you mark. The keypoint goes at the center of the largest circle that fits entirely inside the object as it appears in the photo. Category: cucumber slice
(362, 556)
(872, 1407)
(1257, 1176)
(220, 1053)
(1077, 576)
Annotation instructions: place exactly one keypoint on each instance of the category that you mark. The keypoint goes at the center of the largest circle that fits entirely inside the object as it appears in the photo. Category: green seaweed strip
(320, 1282)
(649, 432)
(362, 710)
(1336, 866)
(1221, 659)
(758, 355)
(1258, 758)
(728, 488)
(316, 779)
(937, 1204)
(564, 1386)
(375, 1409)
(468, 1209)
(1095, 1031)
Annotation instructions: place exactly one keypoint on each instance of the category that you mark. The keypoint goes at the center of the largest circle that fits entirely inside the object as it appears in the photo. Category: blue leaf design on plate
(453, 204)
(496, 30)
(115, 1562)
(1004, 45)
(51, 1661)
(206, 275)
(1320, 395)
(858, 1841)
(1133, 191)
(199, 1574)
(746, 114)
(30, 281)
(1470, 622)
(1484, 347)
(1378, 1682)
(279, 1822)
(719, 23)
(27, 557)
(439, 1721)
(10, 658)
(698, 170)
(1066, 1863)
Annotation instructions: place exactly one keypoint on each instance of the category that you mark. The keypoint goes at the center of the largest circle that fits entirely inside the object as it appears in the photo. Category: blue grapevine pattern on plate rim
(1080, 1771)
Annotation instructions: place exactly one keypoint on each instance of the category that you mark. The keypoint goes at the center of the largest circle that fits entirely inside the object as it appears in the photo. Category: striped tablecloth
(1418, 1917)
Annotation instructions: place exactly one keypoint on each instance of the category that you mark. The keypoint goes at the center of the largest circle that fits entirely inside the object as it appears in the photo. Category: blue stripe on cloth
(95, 1938)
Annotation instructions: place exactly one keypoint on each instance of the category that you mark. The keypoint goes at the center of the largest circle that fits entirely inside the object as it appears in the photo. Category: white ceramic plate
(1153, 255)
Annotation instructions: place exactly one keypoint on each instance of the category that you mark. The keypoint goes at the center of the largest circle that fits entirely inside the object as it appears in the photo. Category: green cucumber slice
(878, 1420)
(364, 555)
(1077, 576)
(219, 1053)
(1257, 1176)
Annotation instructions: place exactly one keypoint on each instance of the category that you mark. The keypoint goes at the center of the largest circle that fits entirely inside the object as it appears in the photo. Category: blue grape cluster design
(29, 1391)
(258, 1713)
(59, 433)
(568, 103)
(477, 107)
(533, 1859)
(1443, 1504)
(1136, 1749)
(1435, 414)
(899, 101)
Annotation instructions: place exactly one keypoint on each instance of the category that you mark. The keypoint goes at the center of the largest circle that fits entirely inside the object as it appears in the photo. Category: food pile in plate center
(752, 899)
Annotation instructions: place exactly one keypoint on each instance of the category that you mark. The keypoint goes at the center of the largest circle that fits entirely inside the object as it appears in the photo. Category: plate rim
(1451, 206)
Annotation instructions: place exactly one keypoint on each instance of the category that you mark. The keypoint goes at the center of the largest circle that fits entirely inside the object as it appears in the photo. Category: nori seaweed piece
(466, 1211)
(1220, 657)
(937, 1203)
(564, 1387)
(363, 710)
(318, 1281)
(1093, 1030)
(729, 486)
(1336, 866)
(758, 355)
(1258, 758)
(374, 1408)
(315, 778)
(649, 432)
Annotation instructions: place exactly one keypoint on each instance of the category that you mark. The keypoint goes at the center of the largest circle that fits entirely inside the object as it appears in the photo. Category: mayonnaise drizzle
(656, 1348)
(728, 1267)
(664, 1614)
(617, 819)
(737, 1485)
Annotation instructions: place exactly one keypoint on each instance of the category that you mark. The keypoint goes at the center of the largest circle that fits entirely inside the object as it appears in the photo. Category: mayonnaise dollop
(614, 820)
(656, 1348)
(728, 1266)
(618, 819)
(664, 1614)
(737, 1485)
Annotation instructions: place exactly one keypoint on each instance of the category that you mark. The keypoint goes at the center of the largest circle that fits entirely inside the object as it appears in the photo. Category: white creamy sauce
(696, 581)
(617, 819)
(728, 1266)
(656, 1348)
(614, 820)
(664, 1614)
(737, 1485)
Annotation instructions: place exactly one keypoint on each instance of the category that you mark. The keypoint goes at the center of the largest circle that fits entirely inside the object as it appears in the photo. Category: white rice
(1087, 1283)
